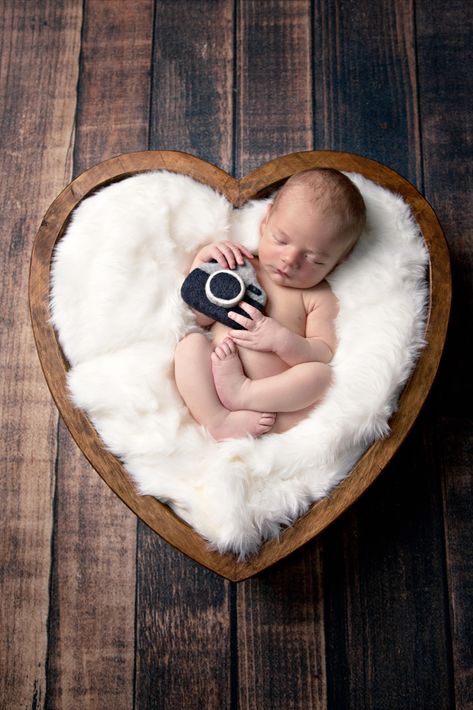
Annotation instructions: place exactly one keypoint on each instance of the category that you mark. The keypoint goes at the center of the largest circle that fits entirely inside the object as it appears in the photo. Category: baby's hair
(333, 191)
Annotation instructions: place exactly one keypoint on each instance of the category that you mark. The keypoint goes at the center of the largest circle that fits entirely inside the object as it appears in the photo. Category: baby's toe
(266, 422)
(218, 354)
(229, 344)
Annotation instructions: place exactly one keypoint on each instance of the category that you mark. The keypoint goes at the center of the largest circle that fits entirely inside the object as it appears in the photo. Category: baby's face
(299, 245)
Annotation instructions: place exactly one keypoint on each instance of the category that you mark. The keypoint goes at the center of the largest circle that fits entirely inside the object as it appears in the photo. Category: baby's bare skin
(274, 371)
(290, 307)
(201, 397)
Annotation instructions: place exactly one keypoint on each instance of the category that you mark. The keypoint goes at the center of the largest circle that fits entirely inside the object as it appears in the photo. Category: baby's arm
(319, 342)
(228, 255)
(320, 339)
(267, 335)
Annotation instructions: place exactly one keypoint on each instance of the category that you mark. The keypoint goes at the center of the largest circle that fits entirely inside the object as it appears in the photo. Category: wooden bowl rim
(256, 183)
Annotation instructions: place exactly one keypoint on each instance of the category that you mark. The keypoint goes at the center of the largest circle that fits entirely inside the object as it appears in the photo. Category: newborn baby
(269, 376)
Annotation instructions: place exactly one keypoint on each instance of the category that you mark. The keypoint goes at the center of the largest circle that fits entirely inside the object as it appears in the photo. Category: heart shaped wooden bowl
(257, 184)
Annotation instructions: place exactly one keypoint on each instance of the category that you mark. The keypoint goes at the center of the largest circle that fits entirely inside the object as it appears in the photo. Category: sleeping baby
(269, 374)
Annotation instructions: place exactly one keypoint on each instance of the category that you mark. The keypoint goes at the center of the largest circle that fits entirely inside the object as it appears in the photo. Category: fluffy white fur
(116, 307)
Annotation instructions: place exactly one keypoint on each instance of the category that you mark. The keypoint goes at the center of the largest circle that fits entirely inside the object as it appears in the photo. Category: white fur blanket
(115, 303)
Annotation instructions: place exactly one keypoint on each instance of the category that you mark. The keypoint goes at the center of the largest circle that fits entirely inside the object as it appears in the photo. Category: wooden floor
(97, 611)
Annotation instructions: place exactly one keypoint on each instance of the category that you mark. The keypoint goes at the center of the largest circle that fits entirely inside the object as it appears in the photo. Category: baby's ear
(347, 253)
(266, 215)
(269, 207)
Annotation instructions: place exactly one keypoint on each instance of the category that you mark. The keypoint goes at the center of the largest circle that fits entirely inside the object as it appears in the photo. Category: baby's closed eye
(312, 259)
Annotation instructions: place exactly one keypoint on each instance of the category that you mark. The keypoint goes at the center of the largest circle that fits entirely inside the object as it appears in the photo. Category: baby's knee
(321, 374)
(325, 372)
(191, 344)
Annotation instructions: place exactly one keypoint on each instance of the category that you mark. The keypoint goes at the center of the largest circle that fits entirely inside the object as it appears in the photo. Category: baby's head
(312, 225)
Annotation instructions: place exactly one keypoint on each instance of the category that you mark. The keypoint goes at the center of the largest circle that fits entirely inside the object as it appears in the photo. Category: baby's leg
(193, 374)
(292, 390)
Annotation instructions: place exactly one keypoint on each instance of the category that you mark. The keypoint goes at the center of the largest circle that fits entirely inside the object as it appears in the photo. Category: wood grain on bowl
(256, 184)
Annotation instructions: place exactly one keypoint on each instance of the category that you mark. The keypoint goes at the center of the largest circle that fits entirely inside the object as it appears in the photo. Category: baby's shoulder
(319, 296)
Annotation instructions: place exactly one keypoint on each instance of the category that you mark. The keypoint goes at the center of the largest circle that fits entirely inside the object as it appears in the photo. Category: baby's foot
(230, 380)
(235, 425)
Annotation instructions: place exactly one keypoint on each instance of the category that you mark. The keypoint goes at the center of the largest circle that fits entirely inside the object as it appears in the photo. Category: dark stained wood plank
(39, 50)
(183, 642)
(384, 562)
(193, 79)
(387, 639)
(455, 459)
(281, 656)
(365, 81)
(92, 617)
(281, 635)
(183, 655)
(114, 88)
(274, 96)
(445, 53)
(91, 623)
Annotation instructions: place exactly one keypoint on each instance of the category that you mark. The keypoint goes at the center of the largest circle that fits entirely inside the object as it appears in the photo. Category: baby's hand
(263, 333)
(228, 254)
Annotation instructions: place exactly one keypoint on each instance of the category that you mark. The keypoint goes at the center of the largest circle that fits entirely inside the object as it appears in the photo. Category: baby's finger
(229, 260)
(245, 322)
(235, 336)
(244, 342)
(251, 310)
(245, 251)
(217, 254)
(236, 253)
(240, 339)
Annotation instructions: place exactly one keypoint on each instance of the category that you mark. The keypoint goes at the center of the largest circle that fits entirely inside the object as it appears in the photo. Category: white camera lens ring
(225, 302)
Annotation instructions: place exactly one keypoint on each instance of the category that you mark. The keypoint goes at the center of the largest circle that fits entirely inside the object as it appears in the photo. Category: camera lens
(224, 288)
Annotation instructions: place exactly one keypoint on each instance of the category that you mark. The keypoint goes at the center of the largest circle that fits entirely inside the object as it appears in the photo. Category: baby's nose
(291, 257)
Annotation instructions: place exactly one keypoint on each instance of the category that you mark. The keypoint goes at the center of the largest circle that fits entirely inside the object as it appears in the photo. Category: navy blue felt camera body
(214, 291)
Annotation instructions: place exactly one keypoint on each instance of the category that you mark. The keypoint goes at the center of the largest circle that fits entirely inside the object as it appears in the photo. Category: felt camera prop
(214, 291)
